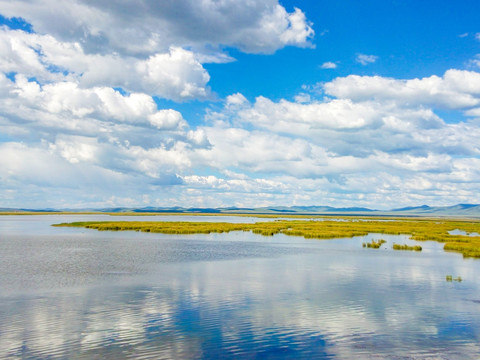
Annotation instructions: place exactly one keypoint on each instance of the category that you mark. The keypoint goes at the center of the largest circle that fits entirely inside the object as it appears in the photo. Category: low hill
(461, 210)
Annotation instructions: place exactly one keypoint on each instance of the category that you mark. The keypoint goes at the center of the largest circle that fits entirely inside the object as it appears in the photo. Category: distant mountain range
(455, 210)
(463, 210)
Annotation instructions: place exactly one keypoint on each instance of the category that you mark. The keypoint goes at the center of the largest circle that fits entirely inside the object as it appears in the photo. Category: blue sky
(232, 103)
(411, 39)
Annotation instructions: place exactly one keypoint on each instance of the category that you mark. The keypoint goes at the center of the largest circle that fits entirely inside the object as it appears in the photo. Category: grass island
(420, 229)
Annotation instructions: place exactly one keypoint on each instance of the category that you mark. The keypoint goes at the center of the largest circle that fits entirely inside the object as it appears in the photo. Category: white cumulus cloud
(175, 74)
(145, 27)
(456, 89)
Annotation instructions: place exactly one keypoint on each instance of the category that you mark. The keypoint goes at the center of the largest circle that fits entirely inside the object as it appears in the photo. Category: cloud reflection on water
(277, 296)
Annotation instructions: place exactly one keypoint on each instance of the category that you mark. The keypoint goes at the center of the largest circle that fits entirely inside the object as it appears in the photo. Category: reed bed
(417, 229)
(374, 244)
(407, 247)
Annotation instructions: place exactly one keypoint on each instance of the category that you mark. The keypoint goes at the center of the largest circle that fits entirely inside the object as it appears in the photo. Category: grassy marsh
(374, 244)
(417, 229)
(407, 247)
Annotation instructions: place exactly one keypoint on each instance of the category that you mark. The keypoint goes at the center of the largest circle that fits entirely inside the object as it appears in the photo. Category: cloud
(79, 99)
(476, 61)
(65, 105)
(245, 185)
(303, 98)
(298, 31)
(259, 152)
(236, 101)
(457, 89)
(74, 161)
(145, 27)
(167, 119)
(85, 131)
(175, 74)
(34, 166)
(63, 175)
(475, 112)
(334, 114)
(366, 59)
(378, 138)
(328, 65)
(372, 141)
(477, 36)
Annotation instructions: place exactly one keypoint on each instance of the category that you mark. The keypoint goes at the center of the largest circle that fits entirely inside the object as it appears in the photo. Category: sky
(219, 103)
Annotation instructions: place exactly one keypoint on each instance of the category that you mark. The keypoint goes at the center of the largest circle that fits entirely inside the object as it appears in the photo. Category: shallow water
(462, 232)
(68, 293)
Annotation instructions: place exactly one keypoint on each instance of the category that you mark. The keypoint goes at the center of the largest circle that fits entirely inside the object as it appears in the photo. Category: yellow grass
(374, 244)
(407, 247)
(418, 229)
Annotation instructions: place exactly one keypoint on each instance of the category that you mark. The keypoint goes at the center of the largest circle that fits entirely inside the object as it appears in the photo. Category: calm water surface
(69, 293)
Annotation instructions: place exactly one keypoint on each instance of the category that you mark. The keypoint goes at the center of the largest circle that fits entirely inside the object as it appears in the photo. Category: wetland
(466, 241)
(237, 287)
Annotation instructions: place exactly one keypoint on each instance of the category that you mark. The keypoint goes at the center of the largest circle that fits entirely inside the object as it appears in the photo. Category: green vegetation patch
(417, 229)
(407, 247)
(450, 278)
(466, 248)
(374, 244)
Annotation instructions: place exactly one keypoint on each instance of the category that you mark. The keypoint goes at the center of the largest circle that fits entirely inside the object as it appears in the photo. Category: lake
(74, 293)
